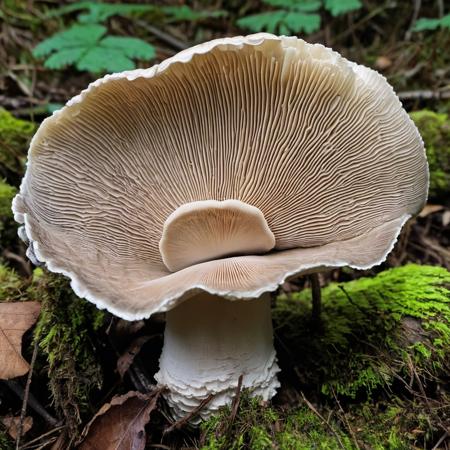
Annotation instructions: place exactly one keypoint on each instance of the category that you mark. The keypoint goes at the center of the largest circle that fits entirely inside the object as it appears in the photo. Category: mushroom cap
(319, 145)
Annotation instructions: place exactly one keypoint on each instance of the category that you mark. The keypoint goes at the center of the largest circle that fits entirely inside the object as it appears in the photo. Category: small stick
(316, 298)
(317, 413)
(32, 401)
(423, 95)
(350, 429)
(441, 440)
(179, 423)
(26, 394)
(167, 38)
(236, 400)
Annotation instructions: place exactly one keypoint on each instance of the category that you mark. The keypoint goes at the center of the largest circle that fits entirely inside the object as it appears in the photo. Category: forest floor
(372, 374)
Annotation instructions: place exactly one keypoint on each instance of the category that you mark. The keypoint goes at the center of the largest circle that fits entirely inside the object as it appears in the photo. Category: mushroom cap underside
(319, 145)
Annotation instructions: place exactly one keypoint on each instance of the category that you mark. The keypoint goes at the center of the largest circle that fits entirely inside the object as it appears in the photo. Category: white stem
(209, 342)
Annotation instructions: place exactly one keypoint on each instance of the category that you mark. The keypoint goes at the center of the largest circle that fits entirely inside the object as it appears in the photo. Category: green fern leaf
(75, 37)
(130, 47)
(298, 22)
(82, 45)
(100, 59)
(338, 7)
(65, 57)
(268, 21)
(432, 24)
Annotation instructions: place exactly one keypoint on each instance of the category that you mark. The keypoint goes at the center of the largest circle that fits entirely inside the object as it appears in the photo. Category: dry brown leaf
(15, 319)
(126, 359)
(120, 425)
(12, 425)
(446, 218)
(430, 209)
(383, 62)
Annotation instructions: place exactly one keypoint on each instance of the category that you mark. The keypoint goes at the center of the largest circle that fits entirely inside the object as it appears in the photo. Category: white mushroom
(216, 176)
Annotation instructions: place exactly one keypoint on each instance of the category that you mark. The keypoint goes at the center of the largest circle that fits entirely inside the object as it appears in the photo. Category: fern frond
(76, 36)
(299, 22)
(100, 59)
(65, 57)
(268, 21)
(432, 24)
(130, 47)
(338, 7)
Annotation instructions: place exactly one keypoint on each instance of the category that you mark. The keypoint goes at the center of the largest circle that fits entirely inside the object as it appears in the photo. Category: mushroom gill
(201, 231)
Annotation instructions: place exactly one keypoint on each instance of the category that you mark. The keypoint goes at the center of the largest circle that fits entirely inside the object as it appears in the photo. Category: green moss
(372, 330)
(5, 441)
(7, 193)
(15, 135)
(7, 225)
(435, 131)
(65, 330)
(12, 287)
(260, 427)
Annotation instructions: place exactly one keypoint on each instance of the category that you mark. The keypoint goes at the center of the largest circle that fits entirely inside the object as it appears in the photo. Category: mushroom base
(209, 342)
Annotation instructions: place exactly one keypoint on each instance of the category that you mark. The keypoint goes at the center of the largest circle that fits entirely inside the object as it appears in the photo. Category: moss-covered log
(374, 375)
(435, 131)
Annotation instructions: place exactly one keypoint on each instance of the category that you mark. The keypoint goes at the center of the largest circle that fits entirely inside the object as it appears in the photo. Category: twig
(317, 413)
(32, 401)
(236, 400)
(417, 5)
(350, 429)
(25, 395)
(440, 8)
(179, 423)
(42, 436)
(441, 440)
(424, 95)
(167, 38)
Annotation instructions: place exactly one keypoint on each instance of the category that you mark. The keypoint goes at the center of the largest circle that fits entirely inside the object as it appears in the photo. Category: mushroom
(199, 185)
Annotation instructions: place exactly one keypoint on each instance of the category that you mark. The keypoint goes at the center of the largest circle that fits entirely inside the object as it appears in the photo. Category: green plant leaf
(99, 59)
(130, 47)
(75, 37)
(65, 57)
(82, 45)
(432, 24)
(286, 22)
(298, 22)
(268, 21)
(338, 7)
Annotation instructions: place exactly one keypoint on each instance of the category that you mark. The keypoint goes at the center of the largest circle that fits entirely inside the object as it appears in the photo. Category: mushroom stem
(209, 342)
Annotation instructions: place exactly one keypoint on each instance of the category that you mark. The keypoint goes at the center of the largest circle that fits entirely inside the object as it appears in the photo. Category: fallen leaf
(12, 425)
(15, 319)
(383, 62)
(430, 209)
(120, 424)
(126, 359)
(446, 218)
